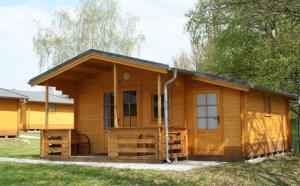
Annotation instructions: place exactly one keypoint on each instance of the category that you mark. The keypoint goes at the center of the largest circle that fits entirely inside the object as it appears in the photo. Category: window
(52, 108)
(108, 110)
(206, 108)
(267, 104)
(155, 107)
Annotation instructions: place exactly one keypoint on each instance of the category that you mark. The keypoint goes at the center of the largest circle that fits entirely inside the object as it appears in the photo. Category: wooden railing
(146, 143)
(56, 143)
(133, 143)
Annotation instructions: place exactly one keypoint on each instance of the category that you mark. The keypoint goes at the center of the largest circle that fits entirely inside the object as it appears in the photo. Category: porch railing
(146, 143)
(56, 143)
(133, 143)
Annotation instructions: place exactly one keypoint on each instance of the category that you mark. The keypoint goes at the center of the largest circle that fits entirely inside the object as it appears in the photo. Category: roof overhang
(101, 56)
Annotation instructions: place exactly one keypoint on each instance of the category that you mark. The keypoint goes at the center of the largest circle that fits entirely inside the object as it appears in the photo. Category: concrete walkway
(176, 166)
(29, 137)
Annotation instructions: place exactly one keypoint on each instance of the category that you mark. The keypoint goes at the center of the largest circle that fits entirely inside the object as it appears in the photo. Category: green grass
(20, 148)
(280, 172)
(284, 171)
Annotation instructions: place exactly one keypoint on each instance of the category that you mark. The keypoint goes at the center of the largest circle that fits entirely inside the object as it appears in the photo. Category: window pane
(106, 98)
(126, 97)
(211, 99)
(201, 99)
(126, 109)
(106, 111)
(155, 106)
(212, 123)
(111, 98)
(111, 111)
(201, 123)
(111, 123)
(133, 110)
(212, 111)
(133, 97)
(201, 111)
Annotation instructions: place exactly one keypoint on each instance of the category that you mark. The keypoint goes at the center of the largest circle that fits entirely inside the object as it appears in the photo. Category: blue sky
(161, 21)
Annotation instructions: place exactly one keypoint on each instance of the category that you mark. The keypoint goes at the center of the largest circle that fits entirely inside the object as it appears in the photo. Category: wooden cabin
(10, 113)
(61, 111)
(119, 111)
(25, 110)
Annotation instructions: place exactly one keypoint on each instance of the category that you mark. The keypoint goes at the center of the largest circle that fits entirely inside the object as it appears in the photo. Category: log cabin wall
(267, 133)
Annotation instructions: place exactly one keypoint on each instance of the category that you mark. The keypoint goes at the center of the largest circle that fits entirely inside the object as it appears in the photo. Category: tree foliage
(253, 40)
(96, 24)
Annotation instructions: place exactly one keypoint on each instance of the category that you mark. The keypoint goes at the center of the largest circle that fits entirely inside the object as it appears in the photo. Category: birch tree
(94, 24)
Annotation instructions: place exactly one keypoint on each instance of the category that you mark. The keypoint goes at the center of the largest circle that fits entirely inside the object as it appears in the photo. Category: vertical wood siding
(267, 134)
(9, 117)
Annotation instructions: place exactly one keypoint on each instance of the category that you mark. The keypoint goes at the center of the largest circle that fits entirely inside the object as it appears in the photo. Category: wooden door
(208, 128)
(129, 108)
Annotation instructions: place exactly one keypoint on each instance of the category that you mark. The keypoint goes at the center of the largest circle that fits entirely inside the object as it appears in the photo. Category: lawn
(284, 171)
(20, 148)
(279, 172)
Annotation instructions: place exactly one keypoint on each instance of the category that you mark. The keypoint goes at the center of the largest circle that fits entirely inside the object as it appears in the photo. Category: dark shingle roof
(4, 93)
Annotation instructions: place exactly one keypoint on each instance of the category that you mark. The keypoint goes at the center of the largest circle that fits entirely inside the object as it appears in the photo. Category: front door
(129, 102)
(208, 137)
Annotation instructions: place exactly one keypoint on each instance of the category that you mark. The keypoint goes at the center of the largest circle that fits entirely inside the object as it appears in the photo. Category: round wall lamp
(126, 76)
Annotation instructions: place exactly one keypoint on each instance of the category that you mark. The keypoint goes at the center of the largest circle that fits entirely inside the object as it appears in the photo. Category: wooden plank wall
(9, 117)
(267, 134)
(63, 118)
(232, 124)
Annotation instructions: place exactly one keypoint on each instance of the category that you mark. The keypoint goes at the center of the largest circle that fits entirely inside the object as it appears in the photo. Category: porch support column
(115, 97)
(159, 119)
(46, 105)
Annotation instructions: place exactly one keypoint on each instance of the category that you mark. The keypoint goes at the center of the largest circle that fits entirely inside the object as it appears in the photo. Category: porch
(124, 145)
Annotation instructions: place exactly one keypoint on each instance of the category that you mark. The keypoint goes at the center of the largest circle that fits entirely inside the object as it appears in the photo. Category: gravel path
(28, 137)
(176, 166)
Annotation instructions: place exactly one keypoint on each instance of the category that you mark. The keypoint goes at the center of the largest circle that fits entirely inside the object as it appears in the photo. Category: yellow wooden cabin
(25, 110)
(32, 111)
(120, 110)
(10, 112)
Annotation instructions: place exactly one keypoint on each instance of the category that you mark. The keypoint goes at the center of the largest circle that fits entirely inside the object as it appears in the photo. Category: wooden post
(46, 105)
(159, 100)
(159, 122)
(115, 97)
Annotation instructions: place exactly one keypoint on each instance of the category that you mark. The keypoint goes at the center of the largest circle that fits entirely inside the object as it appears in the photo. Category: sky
(161, 21)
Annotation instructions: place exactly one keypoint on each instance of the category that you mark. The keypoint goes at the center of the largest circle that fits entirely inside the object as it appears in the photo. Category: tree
(257, 41)
(193, 61)
(96, 24)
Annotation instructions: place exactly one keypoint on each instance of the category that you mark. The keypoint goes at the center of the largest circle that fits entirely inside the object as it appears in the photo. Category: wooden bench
(79, 139)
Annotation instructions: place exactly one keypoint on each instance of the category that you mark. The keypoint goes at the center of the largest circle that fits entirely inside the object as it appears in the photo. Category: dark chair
(79, 139)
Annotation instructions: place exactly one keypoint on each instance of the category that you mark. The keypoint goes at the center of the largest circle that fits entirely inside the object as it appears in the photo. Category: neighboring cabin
(10, 112)
(25, 110)
(118, 105)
